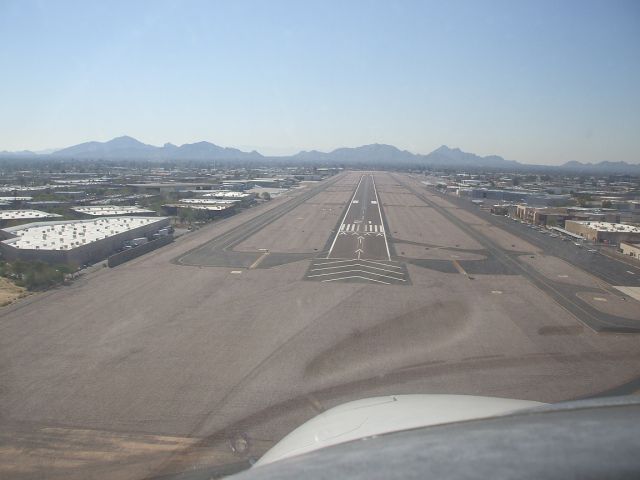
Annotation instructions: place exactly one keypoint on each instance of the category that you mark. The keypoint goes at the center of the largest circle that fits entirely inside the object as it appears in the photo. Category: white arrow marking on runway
(359, 251)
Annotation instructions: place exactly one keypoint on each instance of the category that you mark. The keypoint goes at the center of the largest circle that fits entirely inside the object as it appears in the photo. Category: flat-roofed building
(226, 195)
(169, 187)
(112, 210)
(13, 217)
(604, 232)
(212, 207)
(75, 242)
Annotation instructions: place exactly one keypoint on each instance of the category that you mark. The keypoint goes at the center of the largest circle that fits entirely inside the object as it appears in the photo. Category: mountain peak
(124, 140)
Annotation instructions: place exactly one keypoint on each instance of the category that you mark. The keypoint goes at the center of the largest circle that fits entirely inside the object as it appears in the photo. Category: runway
(361, 234)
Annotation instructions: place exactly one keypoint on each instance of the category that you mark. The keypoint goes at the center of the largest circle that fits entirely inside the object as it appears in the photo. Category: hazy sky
(538, 81)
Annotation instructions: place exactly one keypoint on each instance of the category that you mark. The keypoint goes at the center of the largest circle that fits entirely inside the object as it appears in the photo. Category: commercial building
(75, 242)
(557, 216)
(532, 198)
(604, 232)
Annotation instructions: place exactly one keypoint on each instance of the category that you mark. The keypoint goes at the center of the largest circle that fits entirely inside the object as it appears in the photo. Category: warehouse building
(75, 242)
(169, 187)
(112, 211)
(14, 217)
(604, 232)
(210, 206)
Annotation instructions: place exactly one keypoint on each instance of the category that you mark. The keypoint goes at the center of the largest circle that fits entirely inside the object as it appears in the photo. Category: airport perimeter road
(361, 234)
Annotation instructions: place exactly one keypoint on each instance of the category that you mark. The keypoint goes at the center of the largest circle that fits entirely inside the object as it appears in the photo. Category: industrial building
(75, 242)
(213, 207)
(227, 195)
(112, 211)
(13, 217)
(604, 232)
(168, 187)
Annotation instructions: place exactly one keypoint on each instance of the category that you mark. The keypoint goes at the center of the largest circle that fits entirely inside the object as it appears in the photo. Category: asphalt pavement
(361, 234)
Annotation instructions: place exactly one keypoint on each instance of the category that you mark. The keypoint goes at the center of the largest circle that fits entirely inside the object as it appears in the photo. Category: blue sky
(538, 82)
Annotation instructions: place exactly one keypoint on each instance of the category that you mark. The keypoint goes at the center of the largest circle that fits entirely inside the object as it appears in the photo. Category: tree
(266, 196)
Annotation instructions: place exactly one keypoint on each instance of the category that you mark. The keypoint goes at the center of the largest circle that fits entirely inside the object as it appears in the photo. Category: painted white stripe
(356, 276)
(345, 216)
(380, 263)
(341, 227)
(334, 262)
(386, 244)
(355, 265)
(356, 271)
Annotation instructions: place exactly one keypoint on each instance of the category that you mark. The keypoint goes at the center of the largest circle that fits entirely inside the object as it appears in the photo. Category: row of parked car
(555, 234)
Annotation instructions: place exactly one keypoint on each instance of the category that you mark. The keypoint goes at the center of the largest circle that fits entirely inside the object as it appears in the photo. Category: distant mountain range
(121, 148)
(128, 148)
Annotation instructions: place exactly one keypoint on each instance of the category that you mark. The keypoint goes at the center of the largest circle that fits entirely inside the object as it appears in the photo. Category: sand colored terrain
(9, 292)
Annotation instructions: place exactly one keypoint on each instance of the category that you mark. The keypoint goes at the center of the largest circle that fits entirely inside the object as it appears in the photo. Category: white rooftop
(15, 199)
(71, 234)
(209, 207)
(610, 227)
(208, 201)
(110, 210)
(22, 188)
(25, 214)
(226, 194)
